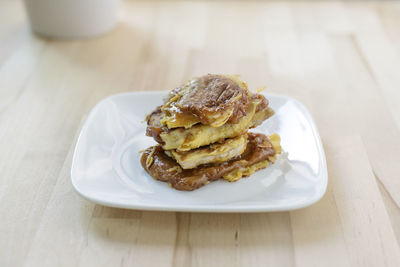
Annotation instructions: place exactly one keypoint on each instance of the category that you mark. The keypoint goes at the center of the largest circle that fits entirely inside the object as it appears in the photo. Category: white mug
(72, 18)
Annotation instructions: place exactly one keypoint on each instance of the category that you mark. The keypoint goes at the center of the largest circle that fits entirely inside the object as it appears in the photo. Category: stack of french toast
(202, 131)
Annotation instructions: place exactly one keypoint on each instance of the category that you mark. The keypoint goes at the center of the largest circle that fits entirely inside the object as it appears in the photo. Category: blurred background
(298, 48)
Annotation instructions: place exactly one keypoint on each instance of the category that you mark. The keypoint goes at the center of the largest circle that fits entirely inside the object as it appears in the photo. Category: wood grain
(341, 59)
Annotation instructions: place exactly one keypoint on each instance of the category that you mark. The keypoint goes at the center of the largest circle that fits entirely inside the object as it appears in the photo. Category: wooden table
(342, 60)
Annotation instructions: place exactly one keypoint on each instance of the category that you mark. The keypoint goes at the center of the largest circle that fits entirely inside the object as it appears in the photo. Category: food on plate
(211, 99)
(198, 135)
(259, 153)
(202, 131)
(214, 153)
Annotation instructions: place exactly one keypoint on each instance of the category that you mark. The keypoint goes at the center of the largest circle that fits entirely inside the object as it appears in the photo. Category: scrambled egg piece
(201, 135)
(214, 153)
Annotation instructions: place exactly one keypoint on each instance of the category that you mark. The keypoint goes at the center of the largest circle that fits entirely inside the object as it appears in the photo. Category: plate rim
(202, 208)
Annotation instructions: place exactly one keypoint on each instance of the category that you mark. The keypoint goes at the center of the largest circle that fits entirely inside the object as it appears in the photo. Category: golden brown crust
(211, 100)
(154, 126)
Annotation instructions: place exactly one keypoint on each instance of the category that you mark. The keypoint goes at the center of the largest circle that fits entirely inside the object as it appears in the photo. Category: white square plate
(106, 165)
